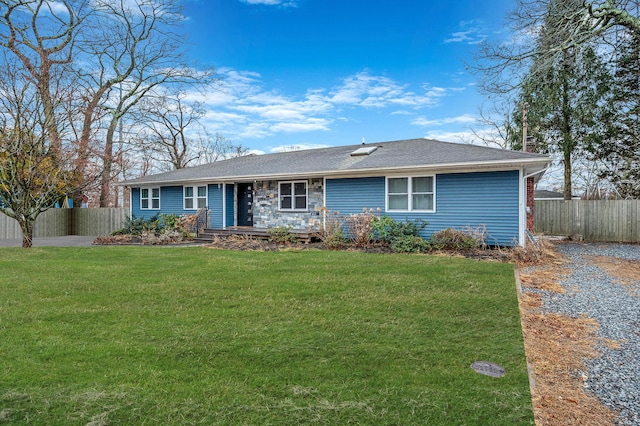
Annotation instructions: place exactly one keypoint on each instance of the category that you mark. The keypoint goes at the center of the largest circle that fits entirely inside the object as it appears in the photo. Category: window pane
(300, 188)
(155, 203)
(202, 203)
(422, 184)
(188, 192)
(398, 202)
(202, 191)
(285, 203)
(155, 193)
(398, 185)
(422, 202)
(144, 193)
(145, 203)
(188, 203)
(301, 202)
(285, 189)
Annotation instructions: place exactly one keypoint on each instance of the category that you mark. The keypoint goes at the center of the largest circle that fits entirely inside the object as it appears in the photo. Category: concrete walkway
(67, 241)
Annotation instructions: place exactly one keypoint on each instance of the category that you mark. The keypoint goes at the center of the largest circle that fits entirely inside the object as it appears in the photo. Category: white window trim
(409, 194)
(195, 197)
(293, 201)
(151, 198)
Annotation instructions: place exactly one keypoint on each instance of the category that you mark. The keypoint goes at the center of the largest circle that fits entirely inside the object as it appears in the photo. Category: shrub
(169, 221)
(410, 244)
(402, 237)
(335, 240)
(136, 226)
(386, 229)
(281, 235)
(360, 227)
(453, 239)
(166, 237)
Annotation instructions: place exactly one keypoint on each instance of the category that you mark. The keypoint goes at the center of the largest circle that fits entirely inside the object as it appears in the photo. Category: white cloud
(241, 107)
(369, 91)
(58, 7)
(461, 119)
(471, 32)
(286, 3)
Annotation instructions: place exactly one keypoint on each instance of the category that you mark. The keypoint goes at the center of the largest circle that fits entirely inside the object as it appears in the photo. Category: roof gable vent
(365, 150)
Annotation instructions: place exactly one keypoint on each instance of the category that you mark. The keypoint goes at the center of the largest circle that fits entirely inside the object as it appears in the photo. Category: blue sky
(312, 73)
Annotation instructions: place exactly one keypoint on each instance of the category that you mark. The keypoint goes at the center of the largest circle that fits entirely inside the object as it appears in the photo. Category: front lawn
(191, 335)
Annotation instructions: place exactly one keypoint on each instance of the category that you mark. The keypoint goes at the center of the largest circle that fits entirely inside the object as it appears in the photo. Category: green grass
(153, 335)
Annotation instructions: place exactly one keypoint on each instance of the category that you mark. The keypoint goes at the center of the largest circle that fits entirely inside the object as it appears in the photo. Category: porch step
(209, 234)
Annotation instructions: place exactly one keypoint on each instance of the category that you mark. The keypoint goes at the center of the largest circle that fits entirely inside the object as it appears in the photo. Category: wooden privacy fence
(61, 222)
(593, 220)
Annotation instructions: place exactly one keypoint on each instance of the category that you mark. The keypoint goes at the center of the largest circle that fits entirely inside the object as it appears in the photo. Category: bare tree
(144, 53)
(112, 53)
(175, 137)
(169, 129)
(42, 38)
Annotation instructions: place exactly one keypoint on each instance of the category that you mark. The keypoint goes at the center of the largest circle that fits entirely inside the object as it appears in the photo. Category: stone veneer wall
(267, 215)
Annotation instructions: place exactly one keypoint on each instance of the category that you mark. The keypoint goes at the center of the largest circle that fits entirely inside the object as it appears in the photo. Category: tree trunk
(567, 176)
(26, 225)
(107, 163)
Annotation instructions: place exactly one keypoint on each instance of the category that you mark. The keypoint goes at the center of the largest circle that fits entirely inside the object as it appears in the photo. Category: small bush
(137, 225)
(410, 244)
(402, 237)
(167, 237)
(360, 227)
(386, 229)
(453, 239)
(336, 240)
(281, 235)
(169, 221)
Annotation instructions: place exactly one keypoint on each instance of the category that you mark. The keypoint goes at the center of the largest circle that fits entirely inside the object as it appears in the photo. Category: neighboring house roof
(404, 156)
(543, 194)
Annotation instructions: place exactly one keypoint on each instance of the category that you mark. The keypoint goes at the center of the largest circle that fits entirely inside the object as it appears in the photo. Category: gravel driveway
(594, 288)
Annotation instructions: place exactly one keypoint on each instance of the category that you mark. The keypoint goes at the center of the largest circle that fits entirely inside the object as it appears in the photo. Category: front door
(245, 204)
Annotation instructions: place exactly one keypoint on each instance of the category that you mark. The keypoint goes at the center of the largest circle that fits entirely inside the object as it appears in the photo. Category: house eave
(532, 166)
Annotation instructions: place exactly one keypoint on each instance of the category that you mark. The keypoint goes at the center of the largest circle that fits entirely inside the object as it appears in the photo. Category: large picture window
(411, 194)
(149, 198)
(292, 195)
(195, 197)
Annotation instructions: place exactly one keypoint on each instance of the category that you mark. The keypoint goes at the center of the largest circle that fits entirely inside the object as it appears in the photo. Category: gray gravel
(614, 377)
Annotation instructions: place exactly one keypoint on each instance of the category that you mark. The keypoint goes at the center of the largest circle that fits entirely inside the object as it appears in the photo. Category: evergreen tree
(566, 97)
(620, 151)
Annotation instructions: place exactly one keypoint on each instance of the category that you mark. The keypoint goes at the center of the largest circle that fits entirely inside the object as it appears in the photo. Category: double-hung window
(195, 197)
(149, 198)
(411, 194)
(292, 196)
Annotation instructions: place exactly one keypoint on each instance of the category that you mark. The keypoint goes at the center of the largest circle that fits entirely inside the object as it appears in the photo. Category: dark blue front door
(245, 204)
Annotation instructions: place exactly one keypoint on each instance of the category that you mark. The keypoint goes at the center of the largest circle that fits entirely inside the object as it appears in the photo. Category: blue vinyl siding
(462, 200)
(230, 204)
(215, 205)
(171, 201)
(350, 196)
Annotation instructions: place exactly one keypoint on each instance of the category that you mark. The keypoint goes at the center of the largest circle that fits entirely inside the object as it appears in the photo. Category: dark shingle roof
(335, 161)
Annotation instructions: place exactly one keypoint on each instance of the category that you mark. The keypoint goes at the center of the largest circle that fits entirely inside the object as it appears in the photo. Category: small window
(149, 198)
(195, 197)
(293, 196)
(411, 194)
